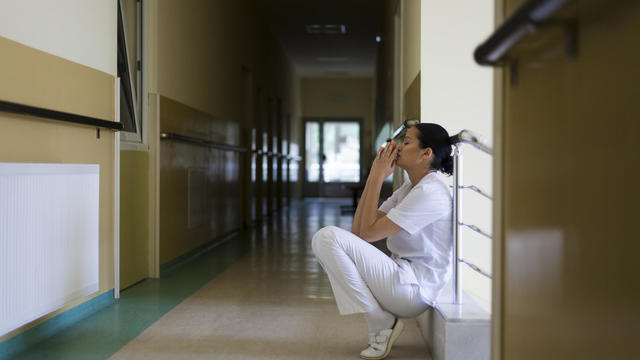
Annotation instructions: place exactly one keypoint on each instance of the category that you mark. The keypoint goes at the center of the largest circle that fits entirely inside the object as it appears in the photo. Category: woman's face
(409, 152)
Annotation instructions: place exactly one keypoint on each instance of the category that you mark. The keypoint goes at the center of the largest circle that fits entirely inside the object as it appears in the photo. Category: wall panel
(570, 288)
(222, 204)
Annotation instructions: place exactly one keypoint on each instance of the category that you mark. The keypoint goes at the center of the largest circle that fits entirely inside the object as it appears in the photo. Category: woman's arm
(356, 227)
(371, 225)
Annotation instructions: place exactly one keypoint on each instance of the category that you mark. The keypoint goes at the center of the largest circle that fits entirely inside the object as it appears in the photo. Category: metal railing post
(457, 176)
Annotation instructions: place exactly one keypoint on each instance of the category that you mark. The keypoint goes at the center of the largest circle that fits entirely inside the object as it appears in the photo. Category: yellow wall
(33, 77)
(412, 99)
(200, 52)
(134, 217)
(570, 244)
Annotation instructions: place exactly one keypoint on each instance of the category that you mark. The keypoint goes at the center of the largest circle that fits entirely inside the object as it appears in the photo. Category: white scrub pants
(362, 277)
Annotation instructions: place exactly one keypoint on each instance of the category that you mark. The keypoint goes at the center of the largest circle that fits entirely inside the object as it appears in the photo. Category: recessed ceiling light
(336, 73)
(333, 58)
(326, 29)
(378, 38)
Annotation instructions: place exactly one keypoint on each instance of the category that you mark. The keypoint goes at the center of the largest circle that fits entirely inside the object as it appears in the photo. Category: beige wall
(341, 98)
(410, 42)
(569, 251)
(33, 77)
(80, 31)
(200, 53)
(384, 80)
(134, 217)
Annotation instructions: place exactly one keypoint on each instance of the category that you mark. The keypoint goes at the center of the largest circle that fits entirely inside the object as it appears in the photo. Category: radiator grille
(48, 238)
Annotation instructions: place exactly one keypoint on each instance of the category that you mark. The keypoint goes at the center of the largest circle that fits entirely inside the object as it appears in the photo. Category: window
(130, 41)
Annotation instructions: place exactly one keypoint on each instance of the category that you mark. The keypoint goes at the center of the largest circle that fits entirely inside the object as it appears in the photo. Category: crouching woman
(416, 220)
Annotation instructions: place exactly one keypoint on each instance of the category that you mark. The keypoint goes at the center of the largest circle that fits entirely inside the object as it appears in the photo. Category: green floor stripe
(17, 344)
(105, 331)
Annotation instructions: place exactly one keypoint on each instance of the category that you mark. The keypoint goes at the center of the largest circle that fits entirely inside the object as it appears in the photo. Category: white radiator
(48, 238)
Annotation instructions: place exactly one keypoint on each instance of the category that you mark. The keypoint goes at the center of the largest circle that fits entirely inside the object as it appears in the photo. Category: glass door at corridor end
(332, 157)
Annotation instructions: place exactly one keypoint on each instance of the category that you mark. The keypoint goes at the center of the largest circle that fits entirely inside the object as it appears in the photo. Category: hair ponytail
(447, 165)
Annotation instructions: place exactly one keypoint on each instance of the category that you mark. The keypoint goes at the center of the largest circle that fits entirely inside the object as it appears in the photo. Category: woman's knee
(325, 237)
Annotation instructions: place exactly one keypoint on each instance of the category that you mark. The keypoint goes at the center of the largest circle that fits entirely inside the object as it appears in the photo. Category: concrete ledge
(457, 332)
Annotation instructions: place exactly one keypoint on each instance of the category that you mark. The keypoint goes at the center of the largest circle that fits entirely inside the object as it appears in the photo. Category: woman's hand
(385, 161)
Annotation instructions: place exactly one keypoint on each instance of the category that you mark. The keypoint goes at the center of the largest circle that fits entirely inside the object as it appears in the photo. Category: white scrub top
(422, 248)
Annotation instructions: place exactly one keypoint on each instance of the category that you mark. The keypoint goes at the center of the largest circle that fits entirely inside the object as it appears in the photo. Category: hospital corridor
(258, 295)
(319, 179)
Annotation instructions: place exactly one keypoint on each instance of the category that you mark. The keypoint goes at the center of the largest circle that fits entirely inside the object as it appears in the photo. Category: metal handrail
(283, 156)
(199, 141)
(204, 142)
(15, 108)
(475, 140)
(475, 267)
(478, 190)
(476, 229)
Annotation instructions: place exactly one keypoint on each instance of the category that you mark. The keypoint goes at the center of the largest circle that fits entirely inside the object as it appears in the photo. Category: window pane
(312, 153)
(342, 149)
(127, 113)
(294, 164)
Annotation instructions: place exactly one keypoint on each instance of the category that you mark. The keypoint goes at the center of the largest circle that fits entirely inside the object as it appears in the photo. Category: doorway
(333, 154)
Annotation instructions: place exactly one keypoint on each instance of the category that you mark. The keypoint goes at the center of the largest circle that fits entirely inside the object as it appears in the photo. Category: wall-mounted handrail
(283, 156)
(199, 141)
(15, 108)
(473, 139)
(477, 189)
(524, 21)
(475, 267)
(476, 229)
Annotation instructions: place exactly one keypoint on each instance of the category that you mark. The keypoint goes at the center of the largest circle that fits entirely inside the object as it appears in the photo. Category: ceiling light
(378, 38)
(332, 58)
(326, 29)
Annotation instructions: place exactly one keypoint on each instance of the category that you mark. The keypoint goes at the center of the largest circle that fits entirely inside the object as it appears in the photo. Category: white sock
(378, 320)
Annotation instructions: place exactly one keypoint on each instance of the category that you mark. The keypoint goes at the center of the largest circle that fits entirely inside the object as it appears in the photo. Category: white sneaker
(380, 343)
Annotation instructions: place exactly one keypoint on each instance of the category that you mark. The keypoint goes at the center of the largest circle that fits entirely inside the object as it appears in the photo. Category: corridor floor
(273, 302)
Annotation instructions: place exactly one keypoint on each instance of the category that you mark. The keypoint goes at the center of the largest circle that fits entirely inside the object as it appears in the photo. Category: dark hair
(436, 137)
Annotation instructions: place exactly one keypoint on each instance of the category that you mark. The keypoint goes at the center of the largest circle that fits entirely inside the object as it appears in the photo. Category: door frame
(322, 189)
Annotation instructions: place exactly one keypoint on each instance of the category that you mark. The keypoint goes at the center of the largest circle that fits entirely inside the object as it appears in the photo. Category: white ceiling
(352, 54)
